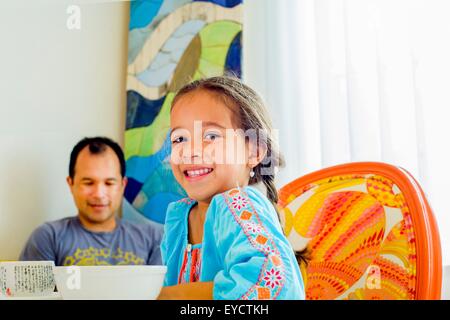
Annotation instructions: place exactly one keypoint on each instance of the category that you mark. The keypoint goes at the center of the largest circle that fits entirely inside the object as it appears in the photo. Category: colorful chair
(370, 232)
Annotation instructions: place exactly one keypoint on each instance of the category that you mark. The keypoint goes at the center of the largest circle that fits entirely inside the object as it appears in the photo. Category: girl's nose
(192, 152)
(191, 157)
(197, 151)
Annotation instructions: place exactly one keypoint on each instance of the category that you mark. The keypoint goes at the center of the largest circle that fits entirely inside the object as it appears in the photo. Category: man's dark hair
(97, 145)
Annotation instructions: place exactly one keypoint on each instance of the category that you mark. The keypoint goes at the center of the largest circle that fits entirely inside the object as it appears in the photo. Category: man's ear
(69, 181)
(124, 181)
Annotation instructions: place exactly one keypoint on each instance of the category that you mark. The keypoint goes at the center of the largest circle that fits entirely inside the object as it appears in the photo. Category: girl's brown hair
(251, 114)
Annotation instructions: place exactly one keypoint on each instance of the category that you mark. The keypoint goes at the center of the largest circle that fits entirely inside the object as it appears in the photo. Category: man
(96, 236)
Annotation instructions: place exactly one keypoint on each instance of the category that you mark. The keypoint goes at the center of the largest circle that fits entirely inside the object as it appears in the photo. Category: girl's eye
(212, 136)
(178, 140)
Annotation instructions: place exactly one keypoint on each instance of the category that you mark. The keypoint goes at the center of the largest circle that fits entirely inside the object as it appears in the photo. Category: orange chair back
(370, 231)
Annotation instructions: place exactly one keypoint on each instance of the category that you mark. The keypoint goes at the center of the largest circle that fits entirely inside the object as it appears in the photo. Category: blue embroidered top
(244, 250)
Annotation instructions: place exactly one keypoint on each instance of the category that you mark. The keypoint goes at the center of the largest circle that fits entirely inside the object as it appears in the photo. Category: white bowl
(109, 282)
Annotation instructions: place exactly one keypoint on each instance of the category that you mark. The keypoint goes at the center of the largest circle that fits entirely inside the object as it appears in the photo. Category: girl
(225, 241)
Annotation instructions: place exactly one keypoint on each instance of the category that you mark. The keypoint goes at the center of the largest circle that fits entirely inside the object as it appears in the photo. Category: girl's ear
(257, 152)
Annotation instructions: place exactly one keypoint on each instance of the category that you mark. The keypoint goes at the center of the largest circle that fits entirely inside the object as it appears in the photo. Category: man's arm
(154, 257)
(40, 246)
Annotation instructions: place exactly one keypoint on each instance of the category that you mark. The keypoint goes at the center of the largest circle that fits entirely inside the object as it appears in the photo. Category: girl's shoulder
(242, 202)
(178, 209)
(185, 202)
(240, 197)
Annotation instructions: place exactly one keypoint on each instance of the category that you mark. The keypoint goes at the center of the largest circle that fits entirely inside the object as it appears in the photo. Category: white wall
(56, 87)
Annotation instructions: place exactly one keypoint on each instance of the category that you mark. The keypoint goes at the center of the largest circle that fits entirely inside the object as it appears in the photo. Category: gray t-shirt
(67, 242)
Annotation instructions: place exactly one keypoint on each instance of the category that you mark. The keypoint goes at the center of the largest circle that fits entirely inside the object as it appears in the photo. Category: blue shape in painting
(156, 207)
(233, 59)
(132, 189)
(138, 36)
(223, 3)
(142, 12)
(170, 6)
(152, 176)
(140, 168)
(140, 111)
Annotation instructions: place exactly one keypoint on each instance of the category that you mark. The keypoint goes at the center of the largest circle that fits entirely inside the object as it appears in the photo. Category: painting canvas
(171, 42)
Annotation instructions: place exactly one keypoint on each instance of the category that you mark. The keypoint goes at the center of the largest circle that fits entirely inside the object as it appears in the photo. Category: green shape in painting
(148, 140)
(216, 39)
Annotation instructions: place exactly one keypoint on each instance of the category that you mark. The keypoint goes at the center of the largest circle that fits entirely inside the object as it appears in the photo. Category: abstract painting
(171, 42)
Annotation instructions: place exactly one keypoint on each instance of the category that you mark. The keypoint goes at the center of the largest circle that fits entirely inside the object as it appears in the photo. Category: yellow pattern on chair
(360, 233)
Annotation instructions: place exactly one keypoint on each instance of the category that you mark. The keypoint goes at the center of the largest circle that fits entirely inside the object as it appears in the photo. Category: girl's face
(208, 157)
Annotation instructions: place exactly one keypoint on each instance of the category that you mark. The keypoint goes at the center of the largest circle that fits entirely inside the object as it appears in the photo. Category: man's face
(97, 186)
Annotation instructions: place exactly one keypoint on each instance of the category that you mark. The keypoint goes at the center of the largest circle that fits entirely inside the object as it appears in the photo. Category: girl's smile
(196, 173)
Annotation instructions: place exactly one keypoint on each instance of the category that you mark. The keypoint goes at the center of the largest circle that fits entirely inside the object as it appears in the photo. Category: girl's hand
(188, 291)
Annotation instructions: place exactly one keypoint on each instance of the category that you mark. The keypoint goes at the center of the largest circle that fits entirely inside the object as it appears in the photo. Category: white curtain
(357, 80)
